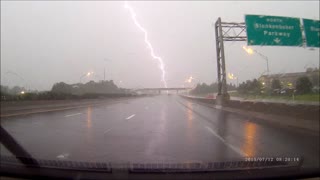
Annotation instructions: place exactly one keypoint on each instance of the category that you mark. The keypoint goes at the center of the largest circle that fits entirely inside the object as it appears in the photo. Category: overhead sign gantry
(263, 31)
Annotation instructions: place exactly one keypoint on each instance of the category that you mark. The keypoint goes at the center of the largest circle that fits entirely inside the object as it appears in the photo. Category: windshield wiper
(13, 146)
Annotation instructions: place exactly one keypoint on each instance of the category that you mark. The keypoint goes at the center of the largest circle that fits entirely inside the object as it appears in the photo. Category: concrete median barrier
(17, 108)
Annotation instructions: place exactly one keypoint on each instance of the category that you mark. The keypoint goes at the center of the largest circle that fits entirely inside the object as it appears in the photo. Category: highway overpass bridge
(161, 90)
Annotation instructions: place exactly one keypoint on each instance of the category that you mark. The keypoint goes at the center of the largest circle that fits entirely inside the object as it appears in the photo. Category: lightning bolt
(146, 40)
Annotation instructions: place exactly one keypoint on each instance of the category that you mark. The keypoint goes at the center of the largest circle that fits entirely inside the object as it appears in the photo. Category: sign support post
(222, 30)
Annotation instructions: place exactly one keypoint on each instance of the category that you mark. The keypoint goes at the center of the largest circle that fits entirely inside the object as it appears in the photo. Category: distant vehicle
(276, 91)
(210, 96)
(286, 91)
(316, 89)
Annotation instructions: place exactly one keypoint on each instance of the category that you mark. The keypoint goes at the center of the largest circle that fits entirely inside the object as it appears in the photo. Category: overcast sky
(48, 42)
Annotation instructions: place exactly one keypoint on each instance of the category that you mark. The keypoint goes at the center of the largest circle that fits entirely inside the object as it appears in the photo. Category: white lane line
(72, 114)
(237, 150)
(130, 116)
(63, 156)
(107, 131)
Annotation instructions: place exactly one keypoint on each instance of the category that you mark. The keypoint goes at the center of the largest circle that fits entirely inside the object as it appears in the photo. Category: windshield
(161, 82)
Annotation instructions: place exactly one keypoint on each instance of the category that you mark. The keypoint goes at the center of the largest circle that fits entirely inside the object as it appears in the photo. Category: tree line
(303, 86)
(63, 90)
(212, 88)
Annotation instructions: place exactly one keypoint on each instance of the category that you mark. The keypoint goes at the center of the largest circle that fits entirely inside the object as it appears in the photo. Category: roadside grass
(308, 97)
(304, 97)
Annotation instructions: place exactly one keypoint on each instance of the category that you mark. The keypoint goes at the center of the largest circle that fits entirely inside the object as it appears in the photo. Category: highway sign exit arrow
(273, 30)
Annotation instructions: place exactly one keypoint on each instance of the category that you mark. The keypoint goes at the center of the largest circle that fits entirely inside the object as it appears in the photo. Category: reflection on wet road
(160, 129)
(190, 132)
(250, 134)
(89, 125)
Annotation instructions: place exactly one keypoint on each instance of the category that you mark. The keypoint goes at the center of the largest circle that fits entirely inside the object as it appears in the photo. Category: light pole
(251, 51)
(104, 69)
(96, 76)
(237, 78)
(120, 83)
(189, 80)
(87, 74)
(26, 84)
(233, 77)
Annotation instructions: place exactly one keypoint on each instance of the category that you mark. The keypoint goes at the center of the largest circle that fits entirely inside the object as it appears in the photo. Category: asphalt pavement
(156, 129)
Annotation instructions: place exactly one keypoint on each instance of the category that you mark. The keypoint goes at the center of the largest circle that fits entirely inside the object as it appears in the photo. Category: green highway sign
(273, 30)
(312, 32)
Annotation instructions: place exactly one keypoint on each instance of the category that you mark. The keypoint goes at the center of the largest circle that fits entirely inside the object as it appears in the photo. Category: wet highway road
(154, 130)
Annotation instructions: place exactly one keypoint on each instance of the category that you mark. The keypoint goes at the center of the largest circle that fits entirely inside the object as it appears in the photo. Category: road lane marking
(237, 150)
(63, 156)
(57, 109)
(36, 123)
(72, 114)
(130, 116)
(105, 132)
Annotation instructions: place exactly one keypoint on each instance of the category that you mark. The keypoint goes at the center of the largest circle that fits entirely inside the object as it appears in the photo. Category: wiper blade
(212, 166)
(54, 169)
(155, 167)
(60, 164)
(14, 147)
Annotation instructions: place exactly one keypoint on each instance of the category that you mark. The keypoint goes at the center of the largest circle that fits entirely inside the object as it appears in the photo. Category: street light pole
(265, 58)
(82, 77)
(237, 82)
(189, 80)
(250, 51)
(267, 64)
(87, 74)
(232, 77)
(104, 69)
(24, 83)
